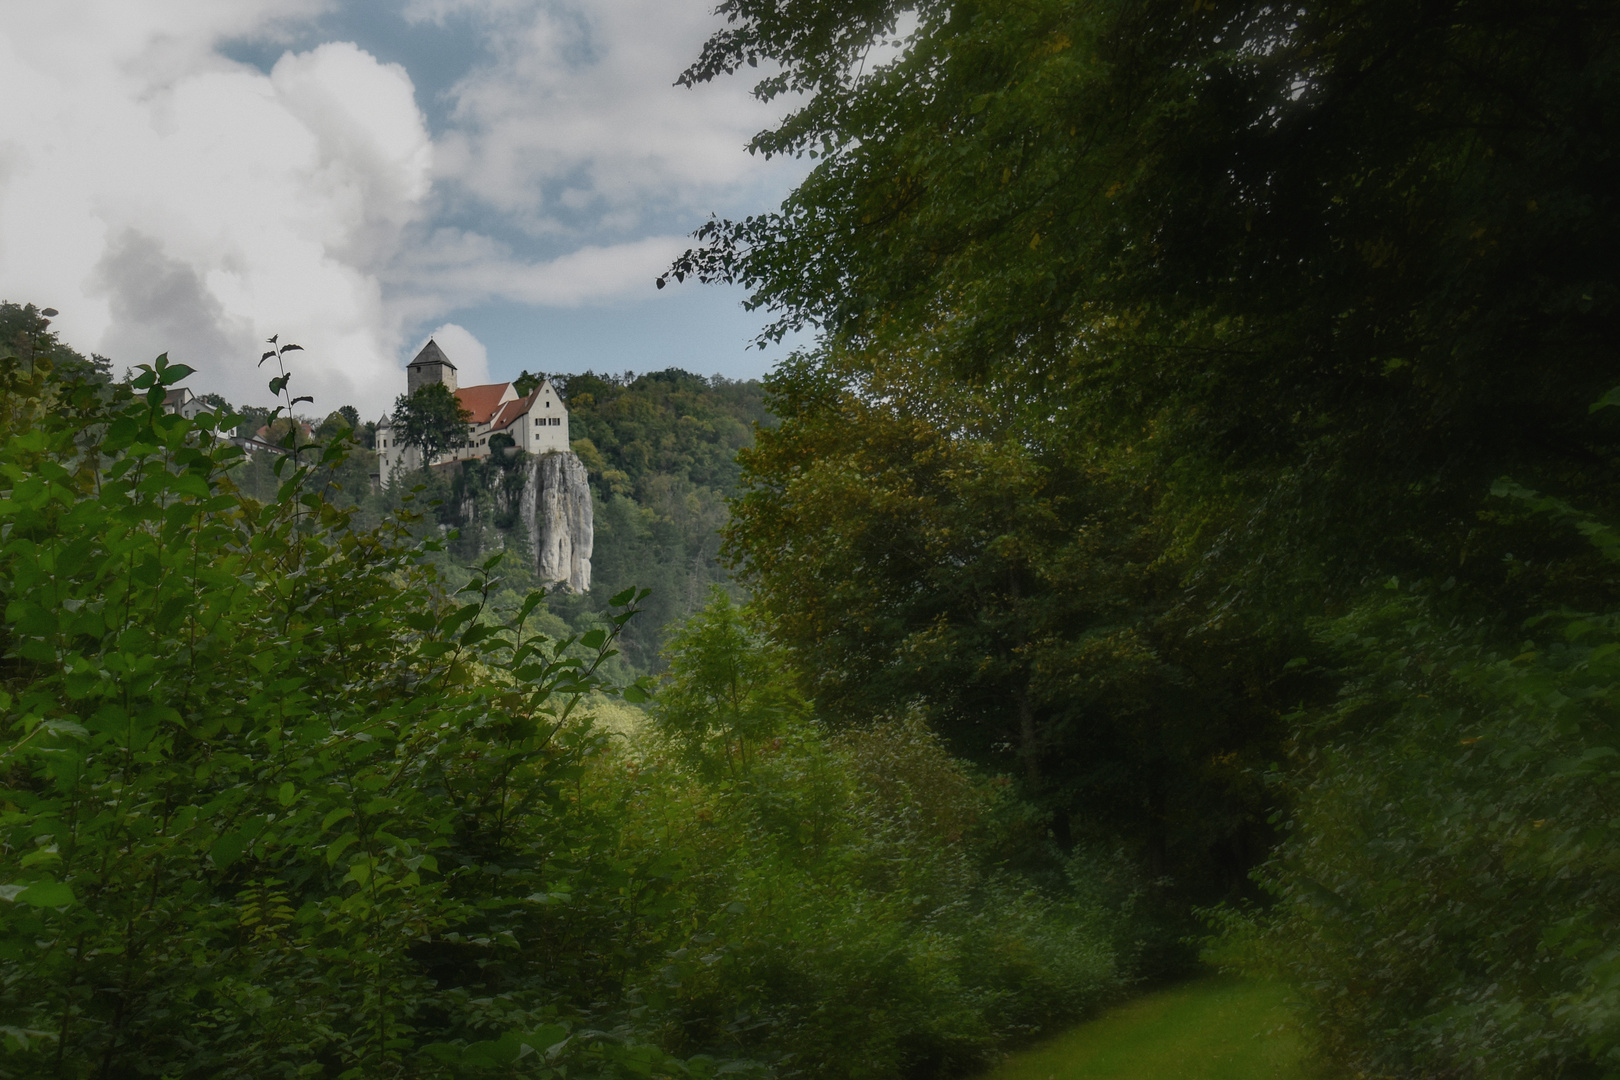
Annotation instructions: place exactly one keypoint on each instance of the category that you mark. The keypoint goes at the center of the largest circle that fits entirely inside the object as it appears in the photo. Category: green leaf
(338, 846)
(547, 1038)
(71, 728)
(47, 894)
(173, 373)
(191, 484)
(474, 634)
(228, 848)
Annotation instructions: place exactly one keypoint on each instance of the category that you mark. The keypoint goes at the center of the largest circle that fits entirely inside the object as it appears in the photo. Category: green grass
(1215, 1028)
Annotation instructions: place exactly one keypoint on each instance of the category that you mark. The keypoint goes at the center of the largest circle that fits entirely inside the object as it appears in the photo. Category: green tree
(527, 381)
(432, 420)
(726, 690)
(906, 548)
(1277, 292)
(25, 332)
(1327, 269)
(334, 426)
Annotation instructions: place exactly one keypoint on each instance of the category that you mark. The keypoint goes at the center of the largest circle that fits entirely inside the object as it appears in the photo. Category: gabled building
(182, 401)
(537, 422)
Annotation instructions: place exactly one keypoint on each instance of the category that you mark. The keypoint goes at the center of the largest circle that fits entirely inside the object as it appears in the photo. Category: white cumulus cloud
(169, 199)
(464, 350)
(166, 199)
(575, 124)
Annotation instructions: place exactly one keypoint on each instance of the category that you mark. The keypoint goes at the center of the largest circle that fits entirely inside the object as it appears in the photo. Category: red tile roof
(511, 410)
(481, 401)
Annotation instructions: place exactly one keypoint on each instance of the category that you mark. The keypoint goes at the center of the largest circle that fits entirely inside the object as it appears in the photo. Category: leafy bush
(275, 801)
(851, 917)
(839, 926)
(272, 804)
(1450, 891)
(727, 690)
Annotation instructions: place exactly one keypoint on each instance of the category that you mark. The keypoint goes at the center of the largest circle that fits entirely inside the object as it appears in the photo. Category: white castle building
(537, 422)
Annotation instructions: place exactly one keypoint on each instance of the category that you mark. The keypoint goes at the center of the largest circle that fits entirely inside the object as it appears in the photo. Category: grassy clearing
(1215, 1028)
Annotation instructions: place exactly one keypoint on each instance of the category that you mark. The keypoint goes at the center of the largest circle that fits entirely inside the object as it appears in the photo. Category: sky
(506, 176)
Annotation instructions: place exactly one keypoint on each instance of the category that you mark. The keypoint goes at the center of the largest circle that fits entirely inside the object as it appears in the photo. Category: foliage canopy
(1330, 267)
(432, 420)
(727, 690)
(1156, 338)
(275, 800)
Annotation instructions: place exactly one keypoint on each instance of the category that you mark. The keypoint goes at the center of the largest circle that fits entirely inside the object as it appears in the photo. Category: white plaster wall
(548, 423)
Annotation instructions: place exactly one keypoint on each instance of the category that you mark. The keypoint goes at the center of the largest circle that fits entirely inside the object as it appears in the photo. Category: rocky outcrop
(556, 507)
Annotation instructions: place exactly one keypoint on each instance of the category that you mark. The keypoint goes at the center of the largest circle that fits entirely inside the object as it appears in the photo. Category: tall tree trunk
(1028, 747)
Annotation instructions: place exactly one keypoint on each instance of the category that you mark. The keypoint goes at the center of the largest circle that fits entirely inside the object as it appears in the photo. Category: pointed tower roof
(431, 354)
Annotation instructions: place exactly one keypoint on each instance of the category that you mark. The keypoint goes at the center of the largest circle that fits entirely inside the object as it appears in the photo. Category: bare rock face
(556, 504)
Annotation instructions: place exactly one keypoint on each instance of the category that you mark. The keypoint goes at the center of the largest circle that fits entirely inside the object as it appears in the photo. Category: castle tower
(430, 366)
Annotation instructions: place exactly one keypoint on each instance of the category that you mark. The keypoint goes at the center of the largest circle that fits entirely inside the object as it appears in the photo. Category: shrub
(850, 920)
(277, 801)
(1450, 888)
(271, 803)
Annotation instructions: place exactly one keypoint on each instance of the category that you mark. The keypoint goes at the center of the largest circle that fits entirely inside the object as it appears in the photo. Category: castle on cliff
(537, 422)
(553, 502)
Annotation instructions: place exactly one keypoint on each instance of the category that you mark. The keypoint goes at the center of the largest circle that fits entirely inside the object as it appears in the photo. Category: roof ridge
(431, 354)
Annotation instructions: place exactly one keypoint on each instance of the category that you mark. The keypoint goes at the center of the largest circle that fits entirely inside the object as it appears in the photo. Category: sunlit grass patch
(1216, 1028)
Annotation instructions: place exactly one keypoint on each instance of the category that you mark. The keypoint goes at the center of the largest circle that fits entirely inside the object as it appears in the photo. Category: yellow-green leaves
(43, 894)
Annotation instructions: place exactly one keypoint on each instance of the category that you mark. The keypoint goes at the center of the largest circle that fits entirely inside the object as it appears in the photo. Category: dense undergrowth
(1152, 340)
(1445, 897)
(274, 801)
(1170, 360)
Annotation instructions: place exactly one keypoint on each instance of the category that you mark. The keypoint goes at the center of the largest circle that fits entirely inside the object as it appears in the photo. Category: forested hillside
(661, 449)
(286, 793)
(661, 452)
(1210, 423)
(1193, 535)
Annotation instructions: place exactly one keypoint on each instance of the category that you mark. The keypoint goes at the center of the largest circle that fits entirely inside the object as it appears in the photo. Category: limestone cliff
(556, 507)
